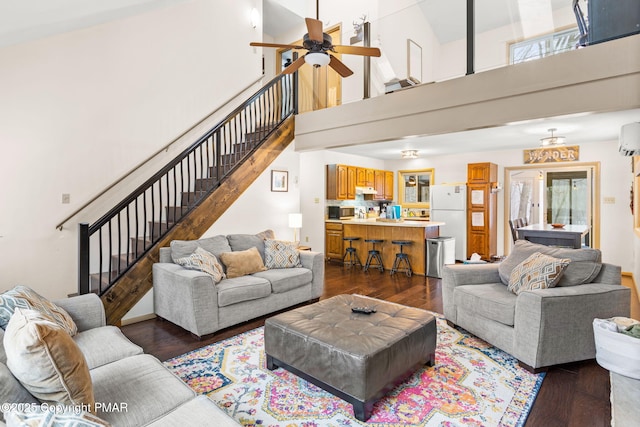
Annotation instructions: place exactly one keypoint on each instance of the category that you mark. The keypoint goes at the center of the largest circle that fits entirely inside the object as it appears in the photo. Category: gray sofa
(191, 299)
(122, 375)
(541, 327)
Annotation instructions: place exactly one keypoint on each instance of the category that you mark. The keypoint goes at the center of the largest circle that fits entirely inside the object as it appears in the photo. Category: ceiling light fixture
(552, 140)
(409, 154)
(317, 59)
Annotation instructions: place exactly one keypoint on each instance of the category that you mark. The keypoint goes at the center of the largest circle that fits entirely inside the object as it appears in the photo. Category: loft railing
(114, 243)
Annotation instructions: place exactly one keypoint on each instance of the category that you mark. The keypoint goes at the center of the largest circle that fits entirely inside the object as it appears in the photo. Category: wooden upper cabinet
(364, 177)
(388, 185)
(378, 178)
(482, 173)
(351, 182)
(342, 181)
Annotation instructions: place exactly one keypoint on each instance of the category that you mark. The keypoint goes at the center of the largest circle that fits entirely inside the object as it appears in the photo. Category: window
(414, 188)
(547, 45)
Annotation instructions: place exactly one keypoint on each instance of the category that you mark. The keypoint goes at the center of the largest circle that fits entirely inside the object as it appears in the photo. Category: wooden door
(388, 185)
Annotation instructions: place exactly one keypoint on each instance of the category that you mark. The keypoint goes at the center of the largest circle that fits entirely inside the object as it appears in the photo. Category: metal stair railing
(109, 247)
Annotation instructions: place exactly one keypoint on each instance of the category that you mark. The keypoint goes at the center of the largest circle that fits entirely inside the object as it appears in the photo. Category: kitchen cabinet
(341, 182)
(388, 185)
(364, 177)
(482, 213)
(333, 241)
(482, 173)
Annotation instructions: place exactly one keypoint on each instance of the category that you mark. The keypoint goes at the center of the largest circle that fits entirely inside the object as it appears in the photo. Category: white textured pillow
(281, 254)
(46, 360)
(205, 261)
(27, 298)
(538, 271)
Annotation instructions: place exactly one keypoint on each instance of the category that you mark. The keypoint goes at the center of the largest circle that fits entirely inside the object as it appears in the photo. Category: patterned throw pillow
(281, 254)
(46, 360)
(205, 261)
(538, 271)
(27, 298)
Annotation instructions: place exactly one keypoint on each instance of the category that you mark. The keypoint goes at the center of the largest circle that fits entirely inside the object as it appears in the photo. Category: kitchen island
(373, 228)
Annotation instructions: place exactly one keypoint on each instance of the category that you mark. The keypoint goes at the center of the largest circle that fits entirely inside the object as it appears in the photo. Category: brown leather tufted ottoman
(357, 357)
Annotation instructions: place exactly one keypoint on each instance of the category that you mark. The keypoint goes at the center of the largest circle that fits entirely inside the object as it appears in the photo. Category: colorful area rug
(472, 384)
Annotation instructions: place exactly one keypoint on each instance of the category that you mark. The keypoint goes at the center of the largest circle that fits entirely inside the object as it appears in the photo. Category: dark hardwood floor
(575, 394)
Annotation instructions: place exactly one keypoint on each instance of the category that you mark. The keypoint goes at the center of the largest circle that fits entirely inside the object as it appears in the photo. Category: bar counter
(370, 228)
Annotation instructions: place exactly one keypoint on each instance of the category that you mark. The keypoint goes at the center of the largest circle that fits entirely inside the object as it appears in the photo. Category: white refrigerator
(449, 205)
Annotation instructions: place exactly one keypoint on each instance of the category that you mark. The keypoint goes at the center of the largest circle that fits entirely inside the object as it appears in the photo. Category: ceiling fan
(319, 44)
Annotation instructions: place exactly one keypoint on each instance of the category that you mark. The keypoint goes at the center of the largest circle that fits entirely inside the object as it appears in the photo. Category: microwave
(339, 212)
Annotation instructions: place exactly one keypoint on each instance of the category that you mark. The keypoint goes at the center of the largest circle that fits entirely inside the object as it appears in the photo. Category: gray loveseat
(132, 388)
(191, 299)
(541, 327)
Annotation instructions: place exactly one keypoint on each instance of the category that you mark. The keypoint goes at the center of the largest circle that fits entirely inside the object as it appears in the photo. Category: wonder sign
(552, 154)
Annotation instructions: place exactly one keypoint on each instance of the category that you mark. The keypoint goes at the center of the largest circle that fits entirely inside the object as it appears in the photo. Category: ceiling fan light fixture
(317, 59)
(552, 140)
(409, 154)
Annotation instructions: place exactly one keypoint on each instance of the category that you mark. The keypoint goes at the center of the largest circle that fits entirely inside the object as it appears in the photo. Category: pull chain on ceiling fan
(319, 44)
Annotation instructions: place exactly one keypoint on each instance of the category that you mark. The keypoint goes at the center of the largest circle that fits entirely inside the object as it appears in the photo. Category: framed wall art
(279, 181)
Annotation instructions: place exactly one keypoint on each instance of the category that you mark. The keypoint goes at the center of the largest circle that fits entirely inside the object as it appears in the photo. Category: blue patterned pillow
(281, 254)
(27, 298)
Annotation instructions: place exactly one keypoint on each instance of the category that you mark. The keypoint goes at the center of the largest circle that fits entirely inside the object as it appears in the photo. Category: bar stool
(350, 256)
(401, 263)
(374, 255)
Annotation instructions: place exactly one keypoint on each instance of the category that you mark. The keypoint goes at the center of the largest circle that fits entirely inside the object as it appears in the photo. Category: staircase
(184, 198)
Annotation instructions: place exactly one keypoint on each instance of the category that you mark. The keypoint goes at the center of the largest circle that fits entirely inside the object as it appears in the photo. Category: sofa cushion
(285, 279)
(41, 417)
(281, 254)
(96, 353)
(27, 298)
(241, 263)
(135, 391)
(202, 260)
(200, 411)
(46, 360)
(11, 391)
(239, 289)
(3, 354)
(493, 301)
(584, 267)
(215, 245)
(241, 242)
(537, 272)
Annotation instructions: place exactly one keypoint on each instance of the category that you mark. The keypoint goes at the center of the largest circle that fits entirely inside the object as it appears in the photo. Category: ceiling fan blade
(340, 68)
(293, 67)
(315, 29)
(357, 50)
(291, 46)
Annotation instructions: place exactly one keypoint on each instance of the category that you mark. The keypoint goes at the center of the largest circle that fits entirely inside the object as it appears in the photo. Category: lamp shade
(317, 59)
(295, 220)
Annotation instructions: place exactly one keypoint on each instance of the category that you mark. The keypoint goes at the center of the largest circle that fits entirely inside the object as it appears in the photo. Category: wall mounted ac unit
(629, 142)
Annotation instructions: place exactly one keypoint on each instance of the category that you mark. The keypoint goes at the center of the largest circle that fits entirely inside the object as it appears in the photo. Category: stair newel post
(83, 258)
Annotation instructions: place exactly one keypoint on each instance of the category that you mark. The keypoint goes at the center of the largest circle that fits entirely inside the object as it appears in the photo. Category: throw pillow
(27, 298)
(241, 263)
(585, 262)
(281, 254)
(46, 360)
(67, 418)
(242, 242)
(205, 261)
(539, 271)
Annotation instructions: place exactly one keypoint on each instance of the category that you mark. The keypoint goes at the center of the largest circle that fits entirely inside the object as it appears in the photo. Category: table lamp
(295, 222)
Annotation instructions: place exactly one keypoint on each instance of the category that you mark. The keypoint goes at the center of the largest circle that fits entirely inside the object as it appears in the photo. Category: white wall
(79, 109)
